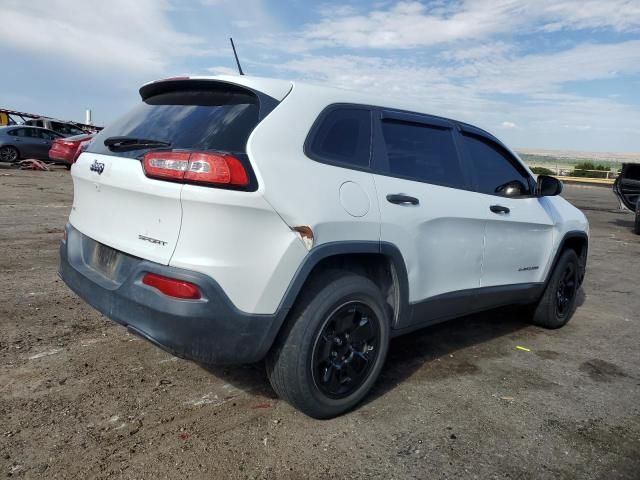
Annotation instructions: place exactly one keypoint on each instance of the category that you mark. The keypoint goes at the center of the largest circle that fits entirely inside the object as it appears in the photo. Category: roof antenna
(236, 55)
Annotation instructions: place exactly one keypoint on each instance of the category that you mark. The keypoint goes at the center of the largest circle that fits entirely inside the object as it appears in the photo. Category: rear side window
(219, 120)
(422, 152)
(49, 135)
(492, 165)
(343, 136)
(33, 133)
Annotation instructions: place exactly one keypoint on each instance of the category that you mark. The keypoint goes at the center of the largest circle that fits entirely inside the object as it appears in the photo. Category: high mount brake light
(196, 167)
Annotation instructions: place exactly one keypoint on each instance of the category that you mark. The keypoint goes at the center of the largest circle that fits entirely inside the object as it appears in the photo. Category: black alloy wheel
(332, 347)
(8, 154)
(345, 349)
(558, 303)
(566, 291)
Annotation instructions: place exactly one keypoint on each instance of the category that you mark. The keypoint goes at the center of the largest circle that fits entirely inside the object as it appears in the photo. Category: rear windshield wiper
(123, 144)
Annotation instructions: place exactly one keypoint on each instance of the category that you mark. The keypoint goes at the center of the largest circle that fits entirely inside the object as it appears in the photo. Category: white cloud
(541, 119)
(121, 35)
(578, 127)
(620, 15)
(484, 51)
(406, 25)
(469, 84)
(243, 23)
(410, 24)
(543, 72)
(222, 71)
(466, 59)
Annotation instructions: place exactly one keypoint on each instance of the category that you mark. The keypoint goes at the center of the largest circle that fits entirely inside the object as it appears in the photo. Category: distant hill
(566, 158)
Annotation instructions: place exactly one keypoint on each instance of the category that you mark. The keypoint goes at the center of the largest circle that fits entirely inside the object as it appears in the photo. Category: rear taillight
(196, 167)
(81, 148)
(172, 287)
(63, 143)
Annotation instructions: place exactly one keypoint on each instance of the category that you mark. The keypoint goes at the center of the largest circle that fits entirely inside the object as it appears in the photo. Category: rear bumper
(60, 159)
(62, 156)
(210, 330)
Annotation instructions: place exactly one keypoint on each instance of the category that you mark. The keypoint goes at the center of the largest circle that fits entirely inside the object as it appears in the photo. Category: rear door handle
(499, 209)
(402, 199)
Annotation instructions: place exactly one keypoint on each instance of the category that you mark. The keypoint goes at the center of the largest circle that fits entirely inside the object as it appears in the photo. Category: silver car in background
(67, 129)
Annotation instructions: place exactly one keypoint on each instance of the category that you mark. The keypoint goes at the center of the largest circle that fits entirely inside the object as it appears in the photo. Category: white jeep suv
(231, 219)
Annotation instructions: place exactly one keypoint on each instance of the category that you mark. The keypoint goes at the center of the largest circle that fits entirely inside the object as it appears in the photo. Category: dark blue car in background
(20, 141)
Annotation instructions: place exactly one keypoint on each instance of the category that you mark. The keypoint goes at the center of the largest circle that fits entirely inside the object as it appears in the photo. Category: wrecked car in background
(67, 150)
(627, 189)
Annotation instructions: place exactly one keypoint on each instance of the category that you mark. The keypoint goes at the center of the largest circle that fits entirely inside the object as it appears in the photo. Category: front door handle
(402, 199)
(499, 209)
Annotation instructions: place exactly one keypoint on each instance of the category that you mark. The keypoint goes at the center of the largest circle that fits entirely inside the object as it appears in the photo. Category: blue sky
(555, 74)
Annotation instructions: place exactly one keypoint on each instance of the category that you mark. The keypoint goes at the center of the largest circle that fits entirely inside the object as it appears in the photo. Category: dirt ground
(81, 398)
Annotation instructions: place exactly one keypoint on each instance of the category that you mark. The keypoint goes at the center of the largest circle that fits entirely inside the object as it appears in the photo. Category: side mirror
(548, 186)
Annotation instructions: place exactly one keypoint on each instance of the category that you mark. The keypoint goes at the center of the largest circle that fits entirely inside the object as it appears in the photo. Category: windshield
(193, 119)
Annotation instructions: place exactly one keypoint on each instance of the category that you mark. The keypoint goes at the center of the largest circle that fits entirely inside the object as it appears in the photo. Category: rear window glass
(194, 120)
(343, 136)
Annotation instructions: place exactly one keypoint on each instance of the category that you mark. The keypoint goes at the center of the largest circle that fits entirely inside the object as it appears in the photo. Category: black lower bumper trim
(210, 330)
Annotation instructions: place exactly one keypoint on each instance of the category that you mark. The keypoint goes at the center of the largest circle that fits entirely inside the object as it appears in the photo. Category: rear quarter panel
(238, 239)
(304, 191)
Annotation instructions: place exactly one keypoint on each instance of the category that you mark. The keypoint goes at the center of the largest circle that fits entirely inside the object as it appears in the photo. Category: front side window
(343, 136)
(422, 152)
(494, 171)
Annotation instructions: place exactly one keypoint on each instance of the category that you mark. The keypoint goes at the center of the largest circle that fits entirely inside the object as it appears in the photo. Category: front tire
(333, 345)
(636, 226)
(558, 302)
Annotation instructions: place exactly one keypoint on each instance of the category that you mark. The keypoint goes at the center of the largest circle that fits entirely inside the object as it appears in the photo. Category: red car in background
(67, 150)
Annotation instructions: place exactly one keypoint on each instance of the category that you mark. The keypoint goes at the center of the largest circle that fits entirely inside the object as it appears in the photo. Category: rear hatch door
(115, 203)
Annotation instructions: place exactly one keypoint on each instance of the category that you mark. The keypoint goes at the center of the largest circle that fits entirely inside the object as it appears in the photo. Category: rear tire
(333, 345)
(636, 226)
(558, 302)
(9, 154)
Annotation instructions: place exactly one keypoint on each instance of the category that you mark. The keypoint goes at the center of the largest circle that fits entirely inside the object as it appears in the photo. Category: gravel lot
(81, 398)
